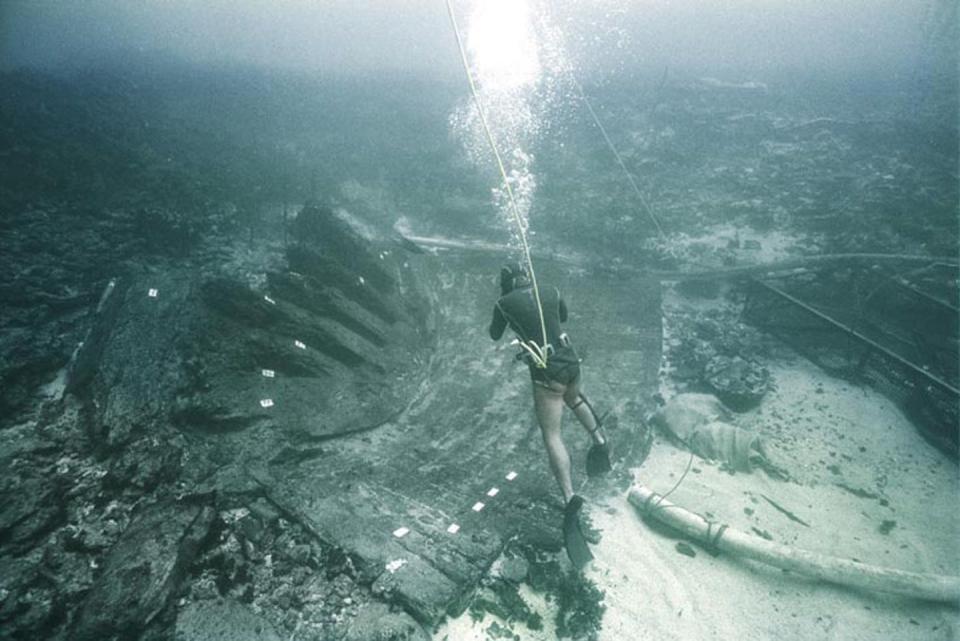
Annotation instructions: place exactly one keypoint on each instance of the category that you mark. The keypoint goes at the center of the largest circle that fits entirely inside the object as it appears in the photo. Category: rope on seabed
(616, 154)
(676, 485)
(537, 353)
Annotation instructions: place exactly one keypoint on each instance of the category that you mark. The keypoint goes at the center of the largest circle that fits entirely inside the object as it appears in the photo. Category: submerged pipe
(929, 587)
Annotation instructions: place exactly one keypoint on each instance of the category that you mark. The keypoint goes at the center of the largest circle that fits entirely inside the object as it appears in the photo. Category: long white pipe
(930, 587)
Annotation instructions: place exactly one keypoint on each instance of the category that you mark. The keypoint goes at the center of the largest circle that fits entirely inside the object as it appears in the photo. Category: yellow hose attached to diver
(537, 353)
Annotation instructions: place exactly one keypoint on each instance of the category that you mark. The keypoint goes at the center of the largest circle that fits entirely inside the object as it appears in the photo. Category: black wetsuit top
(518, 309)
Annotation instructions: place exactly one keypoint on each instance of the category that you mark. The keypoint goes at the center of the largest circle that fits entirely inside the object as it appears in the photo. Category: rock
(92, 534)
(686, 549)
(29, 508)
(739, 383)
(264, 512)
(143, 571)
(692, 419)
(252, 528)
(37, 610)
(222, 620)
(301, 555)
(377, 622)
(740, 449)
(514, 569)
(22, 614)
(145, 464)
(684, 413)
(205, 588)
(74, 571)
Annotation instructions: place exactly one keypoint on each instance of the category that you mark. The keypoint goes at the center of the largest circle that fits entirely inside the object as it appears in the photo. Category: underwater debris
(790, 515)
(575, 601)
(685, 549)
(739, 383)
(887, 526)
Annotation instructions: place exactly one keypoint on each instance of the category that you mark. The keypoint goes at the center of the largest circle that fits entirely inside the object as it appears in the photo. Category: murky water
(755, 201)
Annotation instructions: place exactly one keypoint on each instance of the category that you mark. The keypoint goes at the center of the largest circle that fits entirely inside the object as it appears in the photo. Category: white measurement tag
(267, 402)
(477, 506)
(401, 532)
(453, 529)
(268, 373)
(152, 293)
(492, 492)
(511, 476)
(395, 565)
(299, 344)
(269, 300)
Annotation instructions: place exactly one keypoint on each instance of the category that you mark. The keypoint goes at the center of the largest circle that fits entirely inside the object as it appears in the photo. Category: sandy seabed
(863, 479)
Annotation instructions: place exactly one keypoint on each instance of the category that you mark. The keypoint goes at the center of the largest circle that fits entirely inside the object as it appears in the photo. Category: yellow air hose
(538, 353)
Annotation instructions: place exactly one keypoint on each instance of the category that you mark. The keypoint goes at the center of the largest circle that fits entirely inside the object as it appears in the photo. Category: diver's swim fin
(573, 539)
(598, 460)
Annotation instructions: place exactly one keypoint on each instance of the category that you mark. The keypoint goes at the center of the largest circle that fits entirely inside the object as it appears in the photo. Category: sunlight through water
(502, 45)
(514, 61)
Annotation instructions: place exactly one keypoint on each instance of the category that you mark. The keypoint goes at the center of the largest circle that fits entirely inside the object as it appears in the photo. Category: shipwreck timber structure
(893, 329)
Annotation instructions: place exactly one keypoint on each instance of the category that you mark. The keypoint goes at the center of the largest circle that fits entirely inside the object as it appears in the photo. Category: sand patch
(867, 484)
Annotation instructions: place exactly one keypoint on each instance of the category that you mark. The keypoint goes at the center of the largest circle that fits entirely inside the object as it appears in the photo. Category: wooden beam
(799, 263)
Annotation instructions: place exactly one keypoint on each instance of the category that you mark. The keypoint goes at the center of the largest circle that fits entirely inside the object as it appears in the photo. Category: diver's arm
(498, 324)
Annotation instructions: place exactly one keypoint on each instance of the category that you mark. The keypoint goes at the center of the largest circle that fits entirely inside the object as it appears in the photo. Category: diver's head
(512, 276)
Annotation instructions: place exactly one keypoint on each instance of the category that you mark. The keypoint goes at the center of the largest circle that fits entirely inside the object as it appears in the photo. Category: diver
(553, 386)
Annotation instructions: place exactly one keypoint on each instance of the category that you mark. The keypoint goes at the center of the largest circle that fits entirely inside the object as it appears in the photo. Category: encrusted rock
(143, 571)
(222, 620)
(29, 508)
(739, 383)
(514, 569)
(377, 622)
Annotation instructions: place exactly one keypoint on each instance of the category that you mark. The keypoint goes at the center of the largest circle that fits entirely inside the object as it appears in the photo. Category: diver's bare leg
(548, 404)
(582, 411)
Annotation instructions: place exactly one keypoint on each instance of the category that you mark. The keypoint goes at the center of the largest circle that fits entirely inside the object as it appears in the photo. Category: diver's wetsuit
(518, 309)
